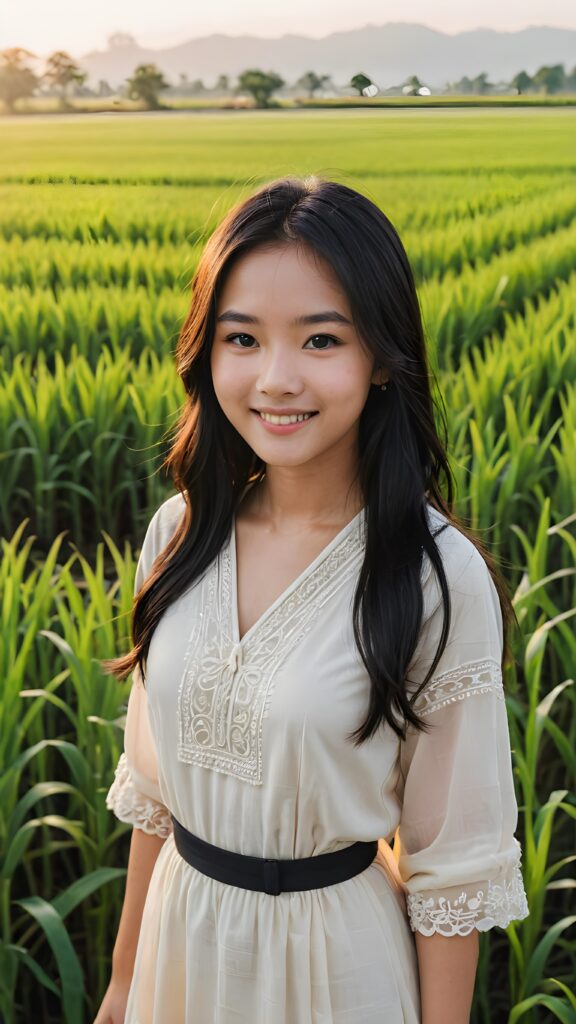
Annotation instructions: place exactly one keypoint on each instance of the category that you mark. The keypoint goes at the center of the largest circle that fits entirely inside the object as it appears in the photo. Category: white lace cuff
(480, 906)
(135, 807)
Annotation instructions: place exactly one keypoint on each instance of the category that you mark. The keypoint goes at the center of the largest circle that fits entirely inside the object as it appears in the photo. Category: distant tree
(311, 82)
(329, 84)
(571, 80)
(197, 86)
(260, 85)
(145, 84)
(61, 72)
(360, 82)
(481, 85)
(521, 82)
(223, 83)
(17, 80)
(464, 87)
(415, 82)
(550, 78)
(104, 89)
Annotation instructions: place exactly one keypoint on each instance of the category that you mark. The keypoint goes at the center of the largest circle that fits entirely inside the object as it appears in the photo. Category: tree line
(61, 76)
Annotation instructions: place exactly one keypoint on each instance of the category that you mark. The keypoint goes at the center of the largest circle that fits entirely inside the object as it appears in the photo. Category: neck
(287, 500)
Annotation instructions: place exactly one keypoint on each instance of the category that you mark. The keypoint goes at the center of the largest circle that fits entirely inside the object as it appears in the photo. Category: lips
(288, 412)
(263, 414)
(293, 424)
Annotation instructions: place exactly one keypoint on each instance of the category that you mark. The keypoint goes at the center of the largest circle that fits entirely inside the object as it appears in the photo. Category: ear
(378, 376)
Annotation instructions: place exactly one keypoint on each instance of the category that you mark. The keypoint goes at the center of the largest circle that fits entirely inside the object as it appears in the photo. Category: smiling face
(262, 360)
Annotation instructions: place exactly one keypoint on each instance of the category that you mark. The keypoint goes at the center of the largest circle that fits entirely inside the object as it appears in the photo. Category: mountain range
(386, 53)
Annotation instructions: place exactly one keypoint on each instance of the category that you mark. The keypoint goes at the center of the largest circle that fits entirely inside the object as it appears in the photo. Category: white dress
(245, 743)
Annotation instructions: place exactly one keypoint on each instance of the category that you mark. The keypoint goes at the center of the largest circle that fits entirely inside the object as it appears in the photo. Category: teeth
(285, 419)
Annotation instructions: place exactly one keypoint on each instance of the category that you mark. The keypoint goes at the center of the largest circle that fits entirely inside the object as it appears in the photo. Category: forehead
(285, 275)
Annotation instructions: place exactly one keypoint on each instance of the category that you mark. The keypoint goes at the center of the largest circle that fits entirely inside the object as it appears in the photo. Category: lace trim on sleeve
(496, 903)
(468, 680)
(134, 807)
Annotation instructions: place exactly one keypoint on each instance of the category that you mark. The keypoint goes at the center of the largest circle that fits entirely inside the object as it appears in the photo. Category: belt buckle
(271, 876)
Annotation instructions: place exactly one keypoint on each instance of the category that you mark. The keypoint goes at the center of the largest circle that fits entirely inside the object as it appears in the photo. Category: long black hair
(403, 463)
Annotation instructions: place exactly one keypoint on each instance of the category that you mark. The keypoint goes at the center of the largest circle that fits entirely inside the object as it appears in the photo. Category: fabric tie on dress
(234, 660)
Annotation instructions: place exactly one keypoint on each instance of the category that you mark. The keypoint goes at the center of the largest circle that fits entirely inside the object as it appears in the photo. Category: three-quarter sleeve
(134, 795)
(455, 848)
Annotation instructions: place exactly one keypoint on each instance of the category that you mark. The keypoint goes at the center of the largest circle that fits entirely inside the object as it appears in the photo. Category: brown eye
(231, 337)
(324, 337)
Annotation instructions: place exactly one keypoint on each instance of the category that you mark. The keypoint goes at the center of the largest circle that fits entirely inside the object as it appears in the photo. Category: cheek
(229, 381)
(345, 386)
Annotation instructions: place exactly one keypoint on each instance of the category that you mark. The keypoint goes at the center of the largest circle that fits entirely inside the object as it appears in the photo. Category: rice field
(102, 221)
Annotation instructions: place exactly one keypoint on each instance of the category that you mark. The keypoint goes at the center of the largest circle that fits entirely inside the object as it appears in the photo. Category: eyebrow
(327, 316)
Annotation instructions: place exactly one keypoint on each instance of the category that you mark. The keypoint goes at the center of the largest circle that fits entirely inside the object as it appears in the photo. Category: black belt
(264, 874)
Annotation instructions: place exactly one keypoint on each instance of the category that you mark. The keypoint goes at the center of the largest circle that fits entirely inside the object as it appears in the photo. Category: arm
(135, 798)
(455, 846)
(135, 795)
(447, 967)
(144, 850)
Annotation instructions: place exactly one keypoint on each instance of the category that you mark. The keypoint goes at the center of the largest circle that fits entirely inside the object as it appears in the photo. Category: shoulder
(465, 568)
(162, 526)
(168, 515)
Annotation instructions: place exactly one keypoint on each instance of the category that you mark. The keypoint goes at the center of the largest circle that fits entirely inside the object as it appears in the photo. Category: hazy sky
(46, 25)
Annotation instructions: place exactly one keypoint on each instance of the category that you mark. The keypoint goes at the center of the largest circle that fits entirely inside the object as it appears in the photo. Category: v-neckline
(307, 571)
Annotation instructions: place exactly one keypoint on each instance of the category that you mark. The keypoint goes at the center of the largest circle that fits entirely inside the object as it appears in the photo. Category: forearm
(144, 850)
(447, 967)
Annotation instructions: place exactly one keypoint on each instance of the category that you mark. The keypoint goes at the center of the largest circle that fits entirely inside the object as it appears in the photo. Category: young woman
(317, 660)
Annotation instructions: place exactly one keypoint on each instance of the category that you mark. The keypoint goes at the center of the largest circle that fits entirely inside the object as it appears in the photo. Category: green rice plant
(563, 452)
(169, 216)
(504, 468)
(59, 740)
(109, 259)
(56, 264)
(114, 317)
(472, 198)
(508, 456)
(543, 725)
(33, 813)
(459, 311)
(472, 241)
(67, 440)
(512, 364)
(113, 214)
(514, 976)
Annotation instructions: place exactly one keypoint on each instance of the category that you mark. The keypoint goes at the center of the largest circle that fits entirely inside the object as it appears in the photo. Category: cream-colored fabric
(245, 742)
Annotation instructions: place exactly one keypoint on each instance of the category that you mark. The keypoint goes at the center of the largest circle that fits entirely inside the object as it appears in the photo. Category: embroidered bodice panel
(227, 684)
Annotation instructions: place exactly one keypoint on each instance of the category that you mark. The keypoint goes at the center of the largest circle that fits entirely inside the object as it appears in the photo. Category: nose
(278, 375)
